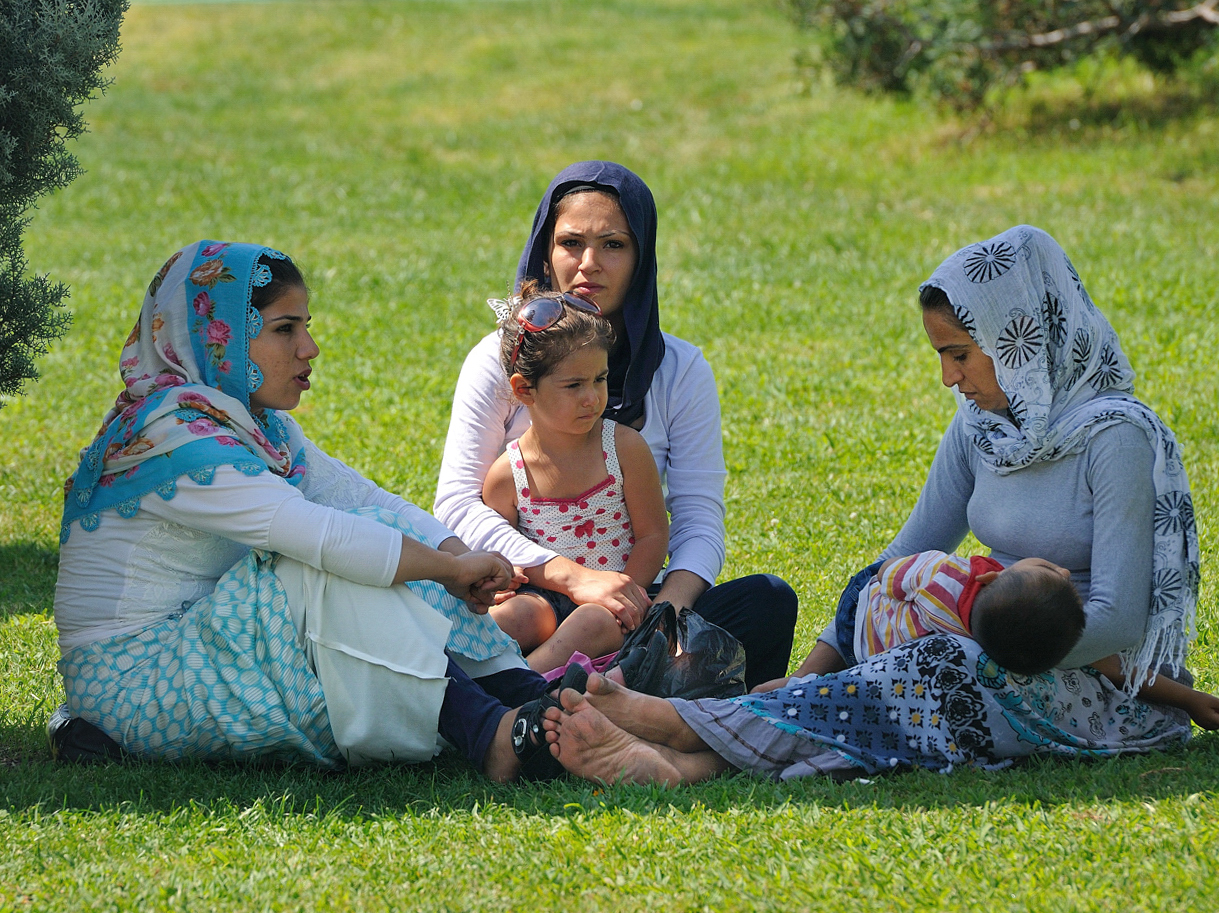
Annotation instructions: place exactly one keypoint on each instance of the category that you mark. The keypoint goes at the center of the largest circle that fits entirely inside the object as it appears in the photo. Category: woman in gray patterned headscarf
(1068, 389)
(1049, 455)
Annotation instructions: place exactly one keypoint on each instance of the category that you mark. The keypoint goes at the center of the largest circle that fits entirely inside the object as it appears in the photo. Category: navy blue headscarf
(631, 365)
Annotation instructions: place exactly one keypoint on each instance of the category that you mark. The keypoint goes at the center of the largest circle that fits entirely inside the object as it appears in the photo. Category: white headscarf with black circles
(1066, 378)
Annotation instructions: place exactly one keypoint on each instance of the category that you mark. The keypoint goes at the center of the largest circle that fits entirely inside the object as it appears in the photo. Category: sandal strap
(529, 741)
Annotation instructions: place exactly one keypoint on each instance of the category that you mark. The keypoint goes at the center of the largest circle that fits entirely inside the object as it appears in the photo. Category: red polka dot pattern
(567, 525)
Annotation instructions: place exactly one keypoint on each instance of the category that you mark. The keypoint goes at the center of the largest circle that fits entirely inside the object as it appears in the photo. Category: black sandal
(529, 739)
(77, 741)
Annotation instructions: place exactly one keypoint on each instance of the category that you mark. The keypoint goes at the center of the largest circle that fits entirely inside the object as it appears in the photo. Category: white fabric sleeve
(264, 511)
(332, 482)
(695, 472)
(478, 432)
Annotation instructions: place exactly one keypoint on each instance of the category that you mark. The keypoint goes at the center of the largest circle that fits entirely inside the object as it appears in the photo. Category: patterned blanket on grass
(935, 703)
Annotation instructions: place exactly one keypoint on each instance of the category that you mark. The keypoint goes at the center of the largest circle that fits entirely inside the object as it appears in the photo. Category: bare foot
(614, 699)
(588, 745)
(652, 719)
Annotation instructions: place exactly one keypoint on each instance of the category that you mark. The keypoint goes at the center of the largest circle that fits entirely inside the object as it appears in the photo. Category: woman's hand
(626, 599)
(476, 577)
(1204, 710)
(682, 588)
(773, 685)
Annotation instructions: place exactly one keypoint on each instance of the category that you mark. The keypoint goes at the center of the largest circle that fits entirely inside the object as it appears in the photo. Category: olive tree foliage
(957, 50)
(51, 56)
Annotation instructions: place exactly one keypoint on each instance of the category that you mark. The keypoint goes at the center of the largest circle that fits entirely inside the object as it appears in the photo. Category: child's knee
(596, 616)
(527, 618)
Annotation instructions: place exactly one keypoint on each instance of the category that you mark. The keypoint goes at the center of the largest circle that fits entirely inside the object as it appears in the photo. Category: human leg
(477, 717)
(526, 618)
(592, 629)
(478, 725)
(760, 611)
(650, 718)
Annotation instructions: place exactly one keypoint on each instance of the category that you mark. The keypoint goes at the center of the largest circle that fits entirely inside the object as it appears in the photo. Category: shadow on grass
(448, 786)
(1066, 115)
(27, 578)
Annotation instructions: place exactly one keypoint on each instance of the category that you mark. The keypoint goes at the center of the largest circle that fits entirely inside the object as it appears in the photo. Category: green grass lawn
(397, 150)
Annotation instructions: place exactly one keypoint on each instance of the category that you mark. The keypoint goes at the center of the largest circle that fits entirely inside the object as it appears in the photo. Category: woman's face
(282, 351)
(593, 251)
(962, 364)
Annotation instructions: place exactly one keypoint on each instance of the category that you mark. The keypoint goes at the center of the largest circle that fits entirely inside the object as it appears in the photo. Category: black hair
(934, 298)
(540, 352)
(1028, 621)
(284, 275)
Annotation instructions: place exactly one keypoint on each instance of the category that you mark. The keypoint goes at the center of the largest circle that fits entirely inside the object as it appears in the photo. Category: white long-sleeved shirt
(681, 427)
(130, 573)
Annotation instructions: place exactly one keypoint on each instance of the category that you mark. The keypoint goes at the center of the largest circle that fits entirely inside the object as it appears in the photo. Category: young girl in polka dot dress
(581, 485)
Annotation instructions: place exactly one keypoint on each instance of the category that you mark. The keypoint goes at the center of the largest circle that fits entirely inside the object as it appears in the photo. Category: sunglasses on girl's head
(540, 314)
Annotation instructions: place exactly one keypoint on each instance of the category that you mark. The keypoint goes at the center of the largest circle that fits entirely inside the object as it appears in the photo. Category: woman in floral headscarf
(227, 590)
(1049, 455)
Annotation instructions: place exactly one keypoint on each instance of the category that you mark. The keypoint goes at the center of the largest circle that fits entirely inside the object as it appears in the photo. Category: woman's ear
(988, 577)
(521, 389)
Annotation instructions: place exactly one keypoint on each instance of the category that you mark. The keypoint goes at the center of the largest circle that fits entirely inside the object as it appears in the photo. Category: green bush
(51, 55)
(957, 50)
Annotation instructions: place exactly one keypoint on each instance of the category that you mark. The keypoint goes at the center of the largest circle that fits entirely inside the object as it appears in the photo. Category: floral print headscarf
(187, 379)
(1062, 368)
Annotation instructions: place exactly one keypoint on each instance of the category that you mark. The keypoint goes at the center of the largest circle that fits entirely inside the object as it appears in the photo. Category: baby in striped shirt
(1026, 617)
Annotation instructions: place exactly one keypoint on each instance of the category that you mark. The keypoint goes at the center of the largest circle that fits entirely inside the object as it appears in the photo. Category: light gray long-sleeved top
(1089, 512)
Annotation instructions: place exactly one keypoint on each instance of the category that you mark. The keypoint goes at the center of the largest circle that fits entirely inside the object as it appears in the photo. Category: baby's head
(1028, 616)
(534, 353)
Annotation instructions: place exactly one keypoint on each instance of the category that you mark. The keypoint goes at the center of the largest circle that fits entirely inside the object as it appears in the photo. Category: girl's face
(282, 351)
(593, 251)
(571, 398)
(962, 364)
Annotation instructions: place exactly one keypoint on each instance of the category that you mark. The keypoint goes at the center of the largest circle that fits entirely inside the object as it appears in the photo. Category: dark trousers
(848, 606)
(473, 707)
(760, 611)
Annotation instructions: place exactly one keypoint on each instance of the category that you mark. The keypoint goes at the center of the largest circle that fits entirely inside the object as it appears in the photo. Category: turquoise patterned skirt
(226, 678)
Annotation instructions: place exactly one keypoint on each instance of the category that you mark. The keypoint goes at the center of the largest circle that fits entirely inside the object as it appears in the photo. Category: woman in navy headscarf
(595, 233)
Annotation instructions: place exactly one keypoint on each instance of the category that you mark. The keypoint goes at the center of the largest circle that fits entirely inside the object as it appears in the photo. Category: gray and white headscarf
(1062, 368)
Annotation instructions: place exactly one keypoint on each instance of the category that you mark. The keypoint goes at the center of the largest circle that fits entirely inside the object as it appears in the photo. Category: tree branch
(1206, 11)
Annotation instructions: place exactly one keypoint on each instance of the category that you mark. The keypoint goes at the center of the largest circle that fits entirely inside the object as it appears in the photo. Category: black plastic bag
(674, 654)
